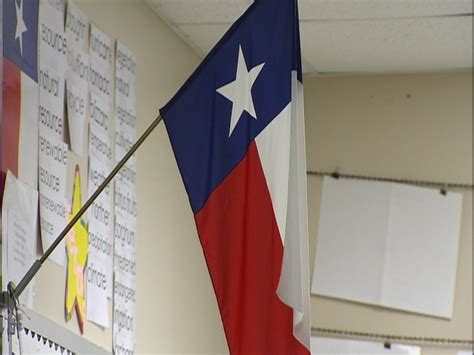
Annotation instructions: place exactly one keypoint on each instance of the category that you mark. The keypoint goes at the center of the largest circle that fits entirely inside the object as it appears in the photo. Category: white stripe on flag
(273, 145)
(282, 152)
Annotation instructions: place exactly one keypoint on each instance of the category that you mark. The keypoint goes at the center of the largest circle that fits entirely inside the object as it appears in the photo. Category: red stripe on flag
(11, 116)
(243, 251)
(2, 187)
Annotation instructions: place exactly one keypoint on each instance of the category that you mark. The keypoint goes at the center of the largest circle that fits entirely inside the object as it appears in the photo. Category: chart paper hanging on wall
(19, 223)
(388, 244)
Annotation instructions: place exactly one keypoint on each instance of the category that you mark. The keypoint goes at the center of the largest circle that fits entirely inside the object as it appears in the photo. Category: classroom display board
(68, 115)
(388, 244)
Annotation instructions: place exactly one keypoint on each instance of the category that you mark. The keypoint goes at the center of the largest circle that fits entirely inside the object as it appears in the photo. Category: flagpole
(15, 292)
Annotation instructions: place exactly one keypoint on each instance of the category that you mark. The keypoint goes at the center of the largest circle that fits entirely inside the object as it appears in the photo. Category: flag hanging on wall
(237, 131)
(19, 119)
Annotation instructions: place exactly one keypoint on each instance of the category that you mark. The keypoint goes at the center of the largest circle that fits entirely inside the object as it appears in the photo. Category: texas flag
(19, 119)
(237, 131)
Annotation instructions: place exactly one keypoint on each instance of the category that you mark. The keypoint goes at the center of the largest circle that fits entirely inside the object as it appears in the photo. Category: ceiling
(348, 36)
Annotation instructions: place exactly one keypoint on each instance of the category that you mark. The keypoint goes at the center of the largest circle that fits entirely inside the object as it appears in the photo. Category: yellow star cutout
(77, 247)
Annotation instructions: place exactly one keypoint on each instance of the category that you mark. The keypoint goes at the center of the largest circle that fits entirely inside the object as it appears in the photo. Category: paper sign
(125, 202)
(124, 311)
(99, 113)
(52, 68)
(124, 232)
(100, 50)
(53, 158)
(76, 25)
(99, 144)
(97, 286)
(77, 96)
(19, 225)
(382, 243)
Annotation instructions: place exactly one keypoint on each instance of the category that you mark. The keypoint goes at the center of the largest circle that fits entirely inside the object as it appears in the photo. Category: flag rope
(390, 338)
(444, 186)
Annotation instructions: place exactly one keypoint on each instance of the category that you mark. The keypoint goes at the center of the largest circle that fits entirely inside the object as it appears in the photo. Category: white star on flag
(20, 25)
(239, 91)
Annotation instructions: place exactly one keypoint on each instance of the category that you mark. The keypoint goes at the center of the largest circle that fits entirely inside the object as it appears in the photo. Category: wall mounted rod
(436, 184)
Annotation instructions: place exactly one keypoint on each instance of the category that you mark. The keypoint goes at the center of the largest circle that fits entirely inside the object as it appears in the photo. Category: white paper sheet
(99, 113)
(124, 312)
(422, 249)
(125, 108)
(77, 97)
(52, 222)
(101, 216)
(124, 232)
(333, 346)
(78, 63)
(97, 286)
(53, 158)
(125, 89)
(125, 61)
(52, 68)
(124, 140)
(19, 225)
(465, 352)
(125, 262)
(128, 173)
(76, 25)
(125, 200)
(351, 240)
(100, 51)
(100, 144)
(388, 244)
(100, 211)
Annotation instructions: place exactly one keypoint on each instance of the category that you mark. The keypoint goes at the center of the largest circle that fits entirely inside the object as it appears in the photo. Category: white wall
(401, 126)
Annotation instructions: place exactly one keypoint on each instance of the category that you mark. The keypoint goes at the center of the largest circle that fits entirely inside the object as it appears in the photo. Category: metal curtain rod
(391, 338)
(437, 184)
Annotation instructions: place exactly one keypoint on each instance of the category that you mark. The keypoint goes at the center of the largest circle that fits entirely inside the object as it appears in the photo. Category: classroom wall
(396, 126)
(176, 310)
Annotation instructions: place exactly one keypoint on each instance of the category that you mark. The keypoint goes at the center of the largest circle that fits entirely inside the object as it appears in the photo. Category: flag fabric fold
(19, 119)
(237, 131)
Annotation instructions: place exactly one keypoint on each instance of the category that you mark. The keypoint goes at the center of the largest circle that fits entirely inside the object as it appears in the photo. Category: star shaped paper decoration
(20, 24)
(77, 247)
(239, 91)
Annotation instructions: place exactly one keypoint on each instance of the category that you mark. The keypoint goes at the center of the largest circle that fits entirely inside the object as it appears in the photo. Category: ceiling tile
(200, 11)
(203, 37)
(347, 36)
(378, 9)
(408, 45)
